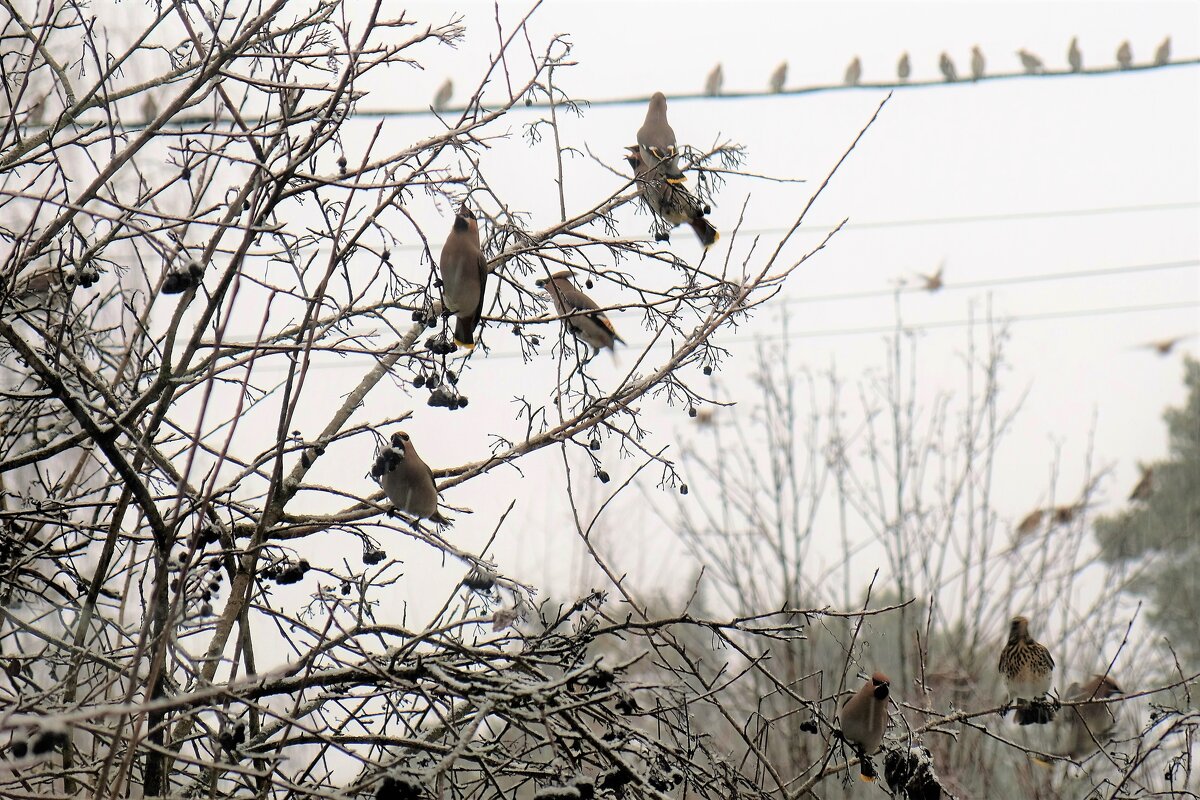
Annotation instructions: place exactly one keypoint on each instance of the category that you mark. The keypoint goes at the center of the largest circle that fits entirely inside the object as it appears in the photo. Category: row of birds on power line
(715, 81)
(1026, 668)
(463, 277)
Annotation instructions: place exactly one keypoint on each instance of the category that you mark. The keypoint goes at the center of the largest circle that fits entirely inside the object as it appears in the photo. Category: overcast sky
(1021, 182)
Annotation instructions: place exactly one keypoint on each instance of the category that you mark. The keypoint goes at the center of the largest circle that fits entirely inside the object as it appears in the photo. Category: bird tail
(437, 517)
(866, 770)
(464, 330)
(1034, 714)
(705, 232)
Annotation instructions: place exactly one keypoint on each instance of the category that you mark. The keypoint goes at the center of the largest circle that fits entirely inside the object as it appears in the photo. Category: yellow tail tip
(866, 778)
(677, 181)
(465, 345)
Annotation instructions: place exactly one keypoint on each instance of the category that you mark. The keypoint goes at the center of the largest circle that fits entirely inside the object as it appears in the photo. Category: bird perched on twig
(977, 63)
(1145, 485)
(1074, 57)
(864, 717)
(714, 81)
(464, 276)
(1163, 54)
(1164, 346)
(407, 480)
(1030, 523)
(1026, 668)
(656, 139)
(854, 72)
(778, 78)
(1087, 725)
(671, 203)
(1125, 55)
(579, 312)
(903, 68)
(441, 100)
(947, 68)
(1031, 63)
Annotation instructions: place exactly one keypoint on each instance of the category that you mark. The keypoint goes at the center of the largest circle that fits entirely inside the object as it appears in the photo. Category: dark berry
(603, 476)
(683, 488)
(708, 370)
(595, 445)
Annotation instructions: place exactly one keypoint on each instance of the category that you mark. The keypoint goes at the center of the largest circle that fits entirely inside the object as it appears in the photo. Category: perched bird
(441, 100)
(657, 141)
(1125, 55)
(464, 276)
(904, 68)
(932, 283)
(1032, 64)
(671, 203)
(714, 81)
(1163, 54)
(976, 63)
(1090, 723)
(1026, 668)
(407, 480)
(947, 68)
(778, 78)
(854, 72)
(1074, 57)
(1031, 522)
(149, 107)
(864, 717)
(1145, 485)
(591, 326)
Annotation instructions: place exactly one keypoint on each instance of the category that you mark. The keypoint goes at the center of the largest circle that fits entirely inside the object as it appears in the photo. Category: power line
(1031, 278)
(871, 329)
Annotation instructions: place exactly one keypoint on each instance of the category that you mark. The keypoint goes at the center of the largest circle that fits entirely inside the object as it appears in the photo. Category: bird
(407, 480)
(934, 282)
(1032, 64)
(1125, 55)
(441, 100)
(656, 139)
(712, 83)
(1145, 485)
(464, 276)
(1163, 54)
(976, 63)
(947, 68)
(591, 326)
(778, 78)
(149, 107)
(1164, 346)
(671, 203)
(903, 68)
(1074, 57)
(1030, 523)
(1026, 668)
(1088, 724)
(854, 72)
(864, 717)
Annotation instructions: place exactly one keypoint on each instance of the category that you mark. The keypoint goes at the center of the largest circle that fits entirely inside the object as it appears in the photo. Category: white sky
(1052, 144)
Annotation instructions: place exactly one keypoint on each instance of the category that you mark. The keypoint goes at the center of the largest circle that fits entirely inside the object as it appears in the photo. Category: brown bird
(903, 68)
(1087, 725)
(976, 63)
(714, 81)
(591, 326)
(1031, 522)
(670, 202)
(778, 78)
(441, 100)
(1125, 55)
(464, 276)
(854, 72)
(1074, 57)
(407, 480)
(656, 139)
(1026, 668)
(949, 73)
(1145, 486)
(1164, 346)
(932, 283)
(1163, 54)
(864, 717)
(1032, 64)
